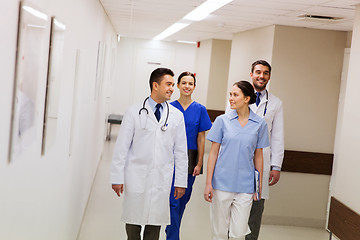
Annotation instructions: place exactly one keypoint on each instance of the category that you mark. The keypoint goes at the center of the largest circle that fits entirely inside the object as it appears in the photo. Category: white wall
(44, 197)
(344, 182)
(203, 59)
(137, 58)
(248, 47)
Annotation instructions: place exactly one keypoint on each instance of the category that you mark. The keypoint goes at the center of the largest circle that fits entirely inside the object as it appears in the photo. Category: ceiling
(147, 18)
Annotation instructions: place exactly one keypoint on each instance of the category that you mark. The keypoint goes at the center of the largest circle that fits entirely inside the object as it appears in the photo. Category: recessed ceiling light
(205, 9)
(188, 42)
(171, 30)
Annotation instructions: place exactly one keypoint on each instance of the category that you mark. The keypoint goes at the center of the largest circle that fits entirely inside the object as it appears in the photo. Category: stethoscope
(267, 100)
(163, 127)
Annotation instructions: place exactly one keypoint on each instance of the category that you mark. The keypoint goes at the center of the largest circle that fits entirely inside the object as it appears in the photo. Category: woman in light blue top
(238, 138)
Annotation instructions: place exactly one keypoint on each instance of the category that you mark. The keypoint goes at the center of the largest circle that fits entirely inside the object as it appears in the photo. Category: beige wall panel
(219, 69)
(307, 74)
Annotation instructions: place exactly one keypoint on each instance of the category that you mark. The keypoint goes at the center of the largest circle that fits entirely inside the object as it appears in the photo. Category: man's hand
(274, 177)
(118, 188)
(179, 192)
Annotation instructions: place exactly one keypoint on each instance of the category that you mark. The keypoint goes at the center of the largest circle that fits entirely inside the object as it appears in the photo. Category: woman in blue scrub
(238, 138)
(197, 121)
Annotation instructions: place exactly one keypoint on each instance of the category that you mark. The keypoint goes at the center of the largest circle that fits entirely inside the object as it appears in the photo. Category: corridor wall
(344, 217)
(44, 196)
(137, 58)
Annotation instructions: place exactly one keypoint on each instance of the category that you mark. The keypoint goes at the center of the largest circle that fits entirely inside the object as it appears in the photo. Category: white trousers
(229, 213)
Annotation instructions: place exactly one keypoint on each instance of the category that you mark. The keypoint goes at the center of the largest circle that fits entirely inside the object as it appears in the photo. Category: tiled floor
(102, 217)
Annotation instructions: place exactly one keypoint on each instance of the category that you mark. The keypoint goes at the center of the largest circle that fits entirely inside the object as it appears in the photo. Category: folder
(257, 184)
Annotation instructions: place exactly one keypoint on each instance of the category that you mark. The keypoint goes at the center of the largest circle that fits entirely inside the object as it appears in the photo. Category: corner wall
(218, 75)
(246, 48)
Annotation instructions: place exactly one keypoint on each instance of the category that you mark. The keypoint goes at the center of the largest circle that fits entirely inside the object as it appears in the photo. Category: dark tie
(157, 111)
(258, 94)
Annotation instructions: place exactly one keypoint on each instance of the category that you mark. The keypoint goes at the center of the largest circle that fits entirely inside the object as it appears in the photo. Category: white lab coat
(143, 160)
(273, 155)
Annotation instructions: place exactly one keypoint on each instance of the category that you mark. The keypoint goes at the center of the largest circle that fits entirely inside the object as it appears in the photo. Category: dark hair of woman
(186, 74)
(247, 89)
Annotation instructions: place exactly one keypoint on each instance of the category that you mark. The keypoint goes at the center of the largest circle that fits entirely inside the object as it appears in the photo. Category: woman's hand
(208, 193)
(255, 197)
(197, 170)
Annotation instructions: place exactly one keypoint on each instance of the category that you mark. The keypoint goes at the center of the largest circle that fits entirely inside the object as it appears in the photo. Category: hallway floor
(102, 216)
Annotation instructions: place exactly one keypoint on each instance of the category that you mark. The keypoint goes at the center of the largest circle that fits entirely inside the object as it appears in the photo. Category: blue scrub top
(196, 120)
(234, 169)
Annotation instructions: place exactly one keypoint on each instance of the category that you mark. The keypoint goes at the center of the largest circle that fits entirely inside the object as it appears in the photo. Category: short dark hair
(247, 89)
(261, 62)
(186, 74)
(157, 74)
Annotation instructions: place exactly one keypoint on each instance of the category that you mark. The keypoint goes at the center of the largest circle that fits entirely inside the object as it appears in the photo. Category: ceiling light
(171, 30)
(188, 42)
(205, 9)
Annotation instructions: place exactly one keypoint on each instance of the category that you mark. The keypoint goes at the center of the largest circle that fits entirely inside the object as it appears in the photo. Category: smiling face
(163, 90)
(186, 85)
(237, 99)
(260, 77)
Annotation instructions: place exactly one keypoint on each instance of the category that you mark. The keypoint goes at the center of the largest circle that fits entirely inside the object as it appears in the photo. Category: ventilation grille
(313, 17)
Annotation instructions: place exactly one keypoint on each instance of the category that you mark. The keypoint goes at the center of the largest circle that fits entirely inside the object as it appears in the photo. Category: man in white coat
(151, 144)
(270, 108)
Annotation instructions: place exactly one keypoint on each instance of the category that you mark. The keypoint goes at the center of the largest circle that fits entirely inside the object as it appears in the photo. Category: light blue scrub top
(234, 169)
(196, 120)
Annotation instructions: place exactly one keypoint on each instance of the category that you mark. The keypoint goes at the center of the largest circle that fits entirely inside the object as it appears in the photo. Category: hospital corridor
(72, 71)
(102, 215)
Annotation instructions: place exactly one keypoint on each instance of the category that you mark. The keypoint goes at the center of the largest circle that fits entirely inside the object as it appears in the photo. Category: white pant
(229, 213)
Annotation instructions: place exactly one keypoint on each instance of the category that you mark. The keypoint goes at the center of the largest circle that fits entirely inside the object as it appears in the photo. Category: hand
(197, 170)
(255, 197)
(118, 188)
(208, 193)
(179, 192)
(274, 177)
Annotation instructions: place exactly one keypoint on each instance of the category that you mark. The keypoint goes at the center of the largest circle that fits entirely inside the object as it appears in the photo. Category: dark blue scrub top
(196, 120)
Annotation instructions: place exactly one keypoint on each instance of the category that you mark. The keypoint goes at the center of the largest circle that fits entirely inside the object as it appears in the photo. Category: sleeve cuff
(275, 168)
